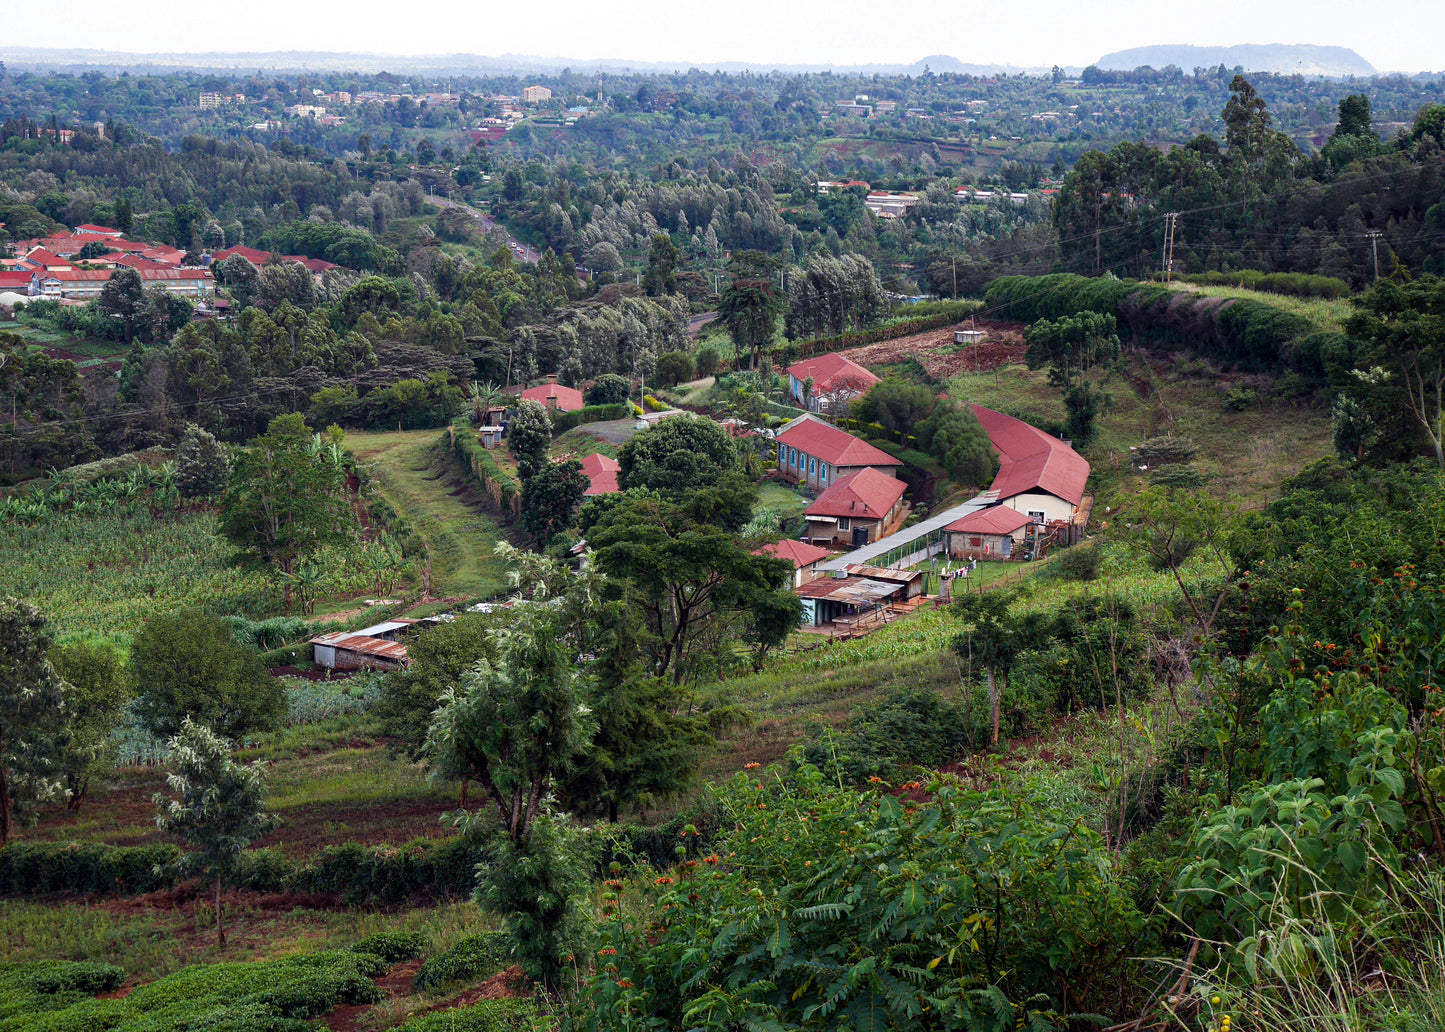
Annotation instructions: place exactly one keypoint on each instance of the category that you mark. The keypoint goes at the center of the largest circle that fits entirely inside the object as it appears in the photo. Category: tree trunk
(220, 929)
(993, 706)
(4, 805)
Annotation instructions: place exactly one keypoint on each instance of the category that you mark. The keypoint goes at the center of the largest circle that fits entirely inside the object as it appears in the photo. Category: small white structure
(969, 336)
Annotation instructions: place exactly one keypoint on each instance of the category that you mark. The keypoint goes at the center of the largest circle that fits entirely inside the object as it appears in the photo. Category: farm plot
(104, 575)
(940, 358)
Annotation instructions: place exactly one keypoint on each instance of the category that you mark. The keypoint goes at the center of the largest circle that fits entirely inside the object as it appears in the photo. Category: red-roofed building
(92, 229)
(1038, 474)
(15, 282)
(165, 255)
(836, 381)
(857, 510)
(315, 266)
(43, 258)
(814, 453)
(130, 261)
(602, 472)
(989, 533)
(804, 557)
(554, 397)
(251, 255)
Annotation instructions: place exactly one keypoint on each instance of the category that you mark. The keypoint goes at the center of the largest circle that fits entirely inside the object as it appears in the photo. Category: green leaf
(1352, 855)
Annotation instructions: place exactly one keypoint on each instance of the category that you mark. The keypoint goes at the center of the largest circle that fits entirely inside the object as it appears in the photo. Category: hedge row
(430, 868)
(564, 421)
(1242, 333)
(479, 465)
(946, 314)
(1296, 284)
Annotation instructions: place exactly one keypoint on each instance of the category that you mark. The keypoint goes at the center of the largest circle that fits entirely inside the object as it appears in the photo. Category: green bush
(1075, 564)
(486, 1016)
(392, 946)
(34, 868)
(271, 996)
(476, 956)
(909, 728)
(564, 421)
(923, 319)
(365, 874)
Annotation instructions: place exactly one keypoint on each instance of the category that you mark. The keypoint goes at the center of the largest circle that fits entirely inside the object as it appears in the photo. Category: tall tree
(32, 705)
(218, 807)
(550, 498)
(189, 666)
(285, 498)
(1401, 328)
(123, 298)
(750, 309)
(529, 436)
(661, 275)
(677, 455)
(1070, 347)
(98, 686)
(511, 725)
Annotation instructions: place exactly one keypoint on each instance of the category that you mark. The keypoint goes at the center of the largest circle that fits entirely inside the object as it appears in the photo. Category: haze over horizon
(840, 33)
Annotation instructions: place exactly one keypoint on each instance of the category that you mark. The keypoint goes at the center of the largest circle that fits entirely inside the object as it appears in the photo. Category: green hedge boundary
(479, 467)
(564, 421)
(1241, 333)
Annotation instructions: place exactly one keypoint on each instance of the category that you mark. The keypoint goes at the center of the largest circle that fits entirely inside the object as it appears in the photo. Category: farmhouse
(343, 650)
(804, 557)
(602, 474)
(860, 508)
(555, 397)
(989, 533)
(859, 590)
(836, 381)
(1038, 475)
(812, 452)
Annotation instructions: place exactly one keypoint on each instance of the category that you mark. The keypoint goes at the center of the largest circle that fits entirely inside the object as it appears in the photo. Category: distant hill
(45, 59)
(1283, 58)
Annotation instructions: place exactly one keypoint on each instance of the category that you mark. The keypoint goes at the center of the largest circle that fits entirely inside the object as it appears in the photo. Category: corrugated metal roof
(849, 590)
(362, 644)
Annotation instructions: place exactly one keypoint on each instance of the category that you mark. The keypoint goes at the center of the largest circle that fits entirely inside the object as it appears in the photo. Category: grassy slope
(1327, 315)
(1245, 453)
(459, 538)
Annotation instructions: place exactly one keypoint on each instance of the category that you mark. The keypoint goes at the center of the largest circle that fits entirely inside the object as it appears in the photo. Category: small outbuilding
(345, 650)
(991, 533)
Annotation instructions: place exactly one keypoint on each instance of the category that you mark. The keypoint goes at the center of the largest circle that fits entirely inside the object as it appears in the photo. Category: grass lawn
(780, 498)
(413, 476)
(579, 443)
(1244, 453)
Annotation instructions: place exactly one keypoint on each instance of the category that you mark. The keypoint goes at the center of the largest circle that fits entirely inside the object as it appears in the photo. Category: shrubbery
(564, 421)
(486, 1016)
(480, 468)
(1297, 284)
(473, 958)
(34, 868)
(392, 946)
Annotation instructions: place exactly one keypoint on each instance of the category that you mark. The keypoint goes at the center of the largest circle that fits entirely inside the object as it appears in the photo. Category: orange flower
(751, 766)
(607, 951)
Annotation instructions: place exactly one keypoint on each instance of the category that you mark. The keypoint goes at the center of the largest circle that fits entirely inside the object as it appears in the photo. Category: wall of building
(1053, 507)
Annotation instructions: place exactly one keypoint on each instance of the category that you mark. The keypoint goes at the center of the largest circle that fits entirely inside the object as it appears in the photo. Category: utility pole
(955, 277)
(1374, 236)
(1171, 220)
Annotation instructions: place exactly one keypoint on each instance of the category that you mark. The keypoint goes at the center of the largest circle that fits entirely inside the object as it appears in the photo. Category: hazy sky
(1403, 35)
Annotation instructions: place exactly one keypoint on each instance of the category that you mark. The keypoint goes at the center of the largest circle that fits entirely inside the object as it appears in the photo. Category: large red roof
(251, 255)
(799, 553)
(14, 279)
(867, 494)
(999, 519)
(568, 399)
(41, 256)
(602, 472)
(1031, 460)
(831, 371)
(829, 444)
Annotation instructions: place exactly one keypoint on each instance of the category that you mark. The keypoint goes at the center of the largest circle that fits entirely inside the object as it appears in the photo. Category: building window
(1037, 515)
(823, 474)
(843, 523)
(812, 466)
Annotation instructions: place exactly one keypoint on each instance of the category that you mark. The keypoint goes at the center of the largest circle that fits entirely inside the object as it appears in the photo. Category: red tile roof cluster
(867, 494)
(567, 399)
(799, 553)
(1031, 460)
(602, 471)
(829, 444)
(998, 519)
(831, 371)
